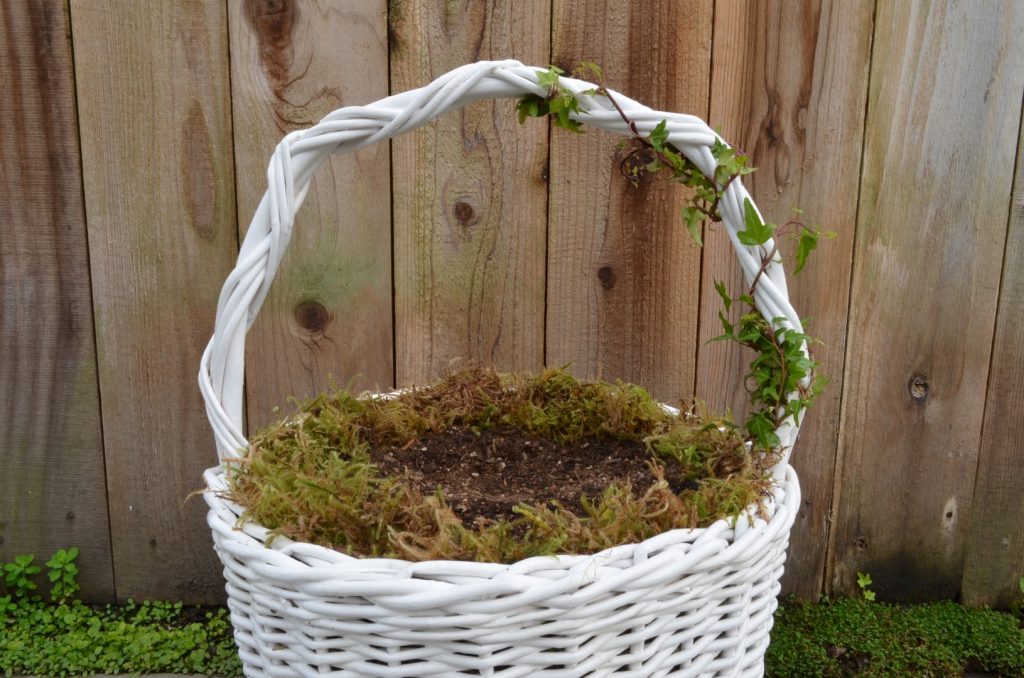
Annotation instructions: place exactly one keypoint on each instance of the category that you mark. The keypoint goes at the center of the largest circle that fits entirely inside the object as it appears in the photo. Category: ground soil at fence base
(485, 474)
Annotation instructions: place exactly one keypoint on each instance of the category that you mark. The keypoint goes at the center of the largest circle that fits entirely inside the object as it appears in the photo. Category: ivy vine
(781, 379)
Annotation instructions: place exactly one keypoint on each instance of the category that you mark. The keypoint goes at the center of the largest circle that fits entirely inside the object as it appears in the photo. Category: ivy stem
(765, 263)
(713, 210)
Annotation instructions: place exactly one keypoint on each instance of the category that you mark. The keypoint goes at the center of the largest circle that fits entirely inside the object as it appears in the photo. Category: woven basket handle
(222, 369)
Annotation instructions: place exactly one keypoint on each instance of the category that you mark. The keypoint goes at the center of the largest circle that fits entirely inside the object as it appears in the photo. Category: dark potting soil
(485, 474)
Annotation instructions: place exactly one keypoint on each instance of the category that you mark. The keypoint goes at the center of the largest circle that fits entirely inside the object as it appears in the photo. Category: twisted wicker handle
(222, 368)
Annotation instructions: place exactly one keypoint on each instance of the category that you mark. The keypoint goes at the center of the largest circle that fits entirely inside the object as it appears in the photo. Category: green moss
(310, 477)
(855, 637)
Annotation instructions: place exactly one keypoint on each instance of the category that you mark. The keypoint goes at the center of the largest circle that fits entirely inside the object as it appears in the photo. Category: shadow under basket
(695, 602)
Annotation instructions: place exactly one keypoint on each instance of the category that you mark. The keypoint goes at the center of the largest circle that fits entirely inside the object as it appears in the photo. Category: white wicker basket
(687, 602)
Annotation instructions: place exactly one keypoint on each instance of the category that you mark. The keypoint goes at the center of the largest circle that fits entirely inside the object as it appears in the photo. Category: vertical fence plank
(623, 274)
(329, 312)
(939, 153)
(156, 155)
(789, 87)
(52, 486)
(995, 542)
(469, 197)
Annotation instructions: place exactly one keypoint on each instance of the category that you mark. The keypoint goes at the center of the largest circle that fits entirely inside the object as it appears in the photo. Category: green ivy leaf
(762, 428)
(724, 293)
(549, 78)
(806, 244)
(561, 108)
(659, 136)
(531, 106)
(718, 149)
(693, 218)
(757, 231)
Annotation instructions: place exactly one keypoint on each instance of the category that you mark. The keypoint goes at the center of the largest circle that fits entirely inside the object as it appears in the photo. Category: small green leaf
(531, 106)
(757, 231)
(724, 293)
(762, 428)
(675, 160)
(806, 243)
(693, 218)
(747, 239)
(659, 136)
(549, 78)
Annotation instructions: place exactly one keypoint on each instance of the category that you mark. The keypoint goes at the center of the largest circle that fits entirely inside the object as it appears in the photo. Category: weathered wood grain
(154, 109)
(943, 114)
(623, 274)
(789, 87)
(52, 488)
(329, 312)
(469, 197)
(995, 542)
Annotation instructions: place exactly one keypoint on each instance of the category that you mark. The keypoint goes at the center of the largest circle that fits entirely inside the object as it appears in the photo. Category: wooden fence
(135, 137)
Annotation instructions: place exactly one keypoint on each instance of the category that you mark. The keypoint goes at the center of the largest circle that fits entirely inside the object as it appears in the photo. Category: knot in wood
(919, 388)
(634, 165)
(312, 316)
(463, 212)
(607, 277)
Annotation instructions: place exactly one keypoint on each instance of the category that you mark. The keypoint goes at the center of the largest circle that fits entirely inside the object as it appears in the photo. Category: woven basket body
(687, 602)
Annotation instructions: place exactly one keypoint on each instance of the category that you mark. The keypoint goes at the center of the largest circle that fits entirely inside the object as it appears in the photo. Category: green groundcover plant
(862, 638)
(61, 636)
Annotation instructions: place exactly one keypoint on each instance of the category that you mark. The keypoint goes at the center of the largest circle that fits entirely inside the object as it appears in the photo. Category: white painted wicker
(687, 602)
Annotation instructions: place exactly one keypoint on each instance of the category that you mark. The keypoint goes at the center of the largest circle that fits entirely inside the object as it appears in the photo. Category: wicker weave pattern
(687, 602)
